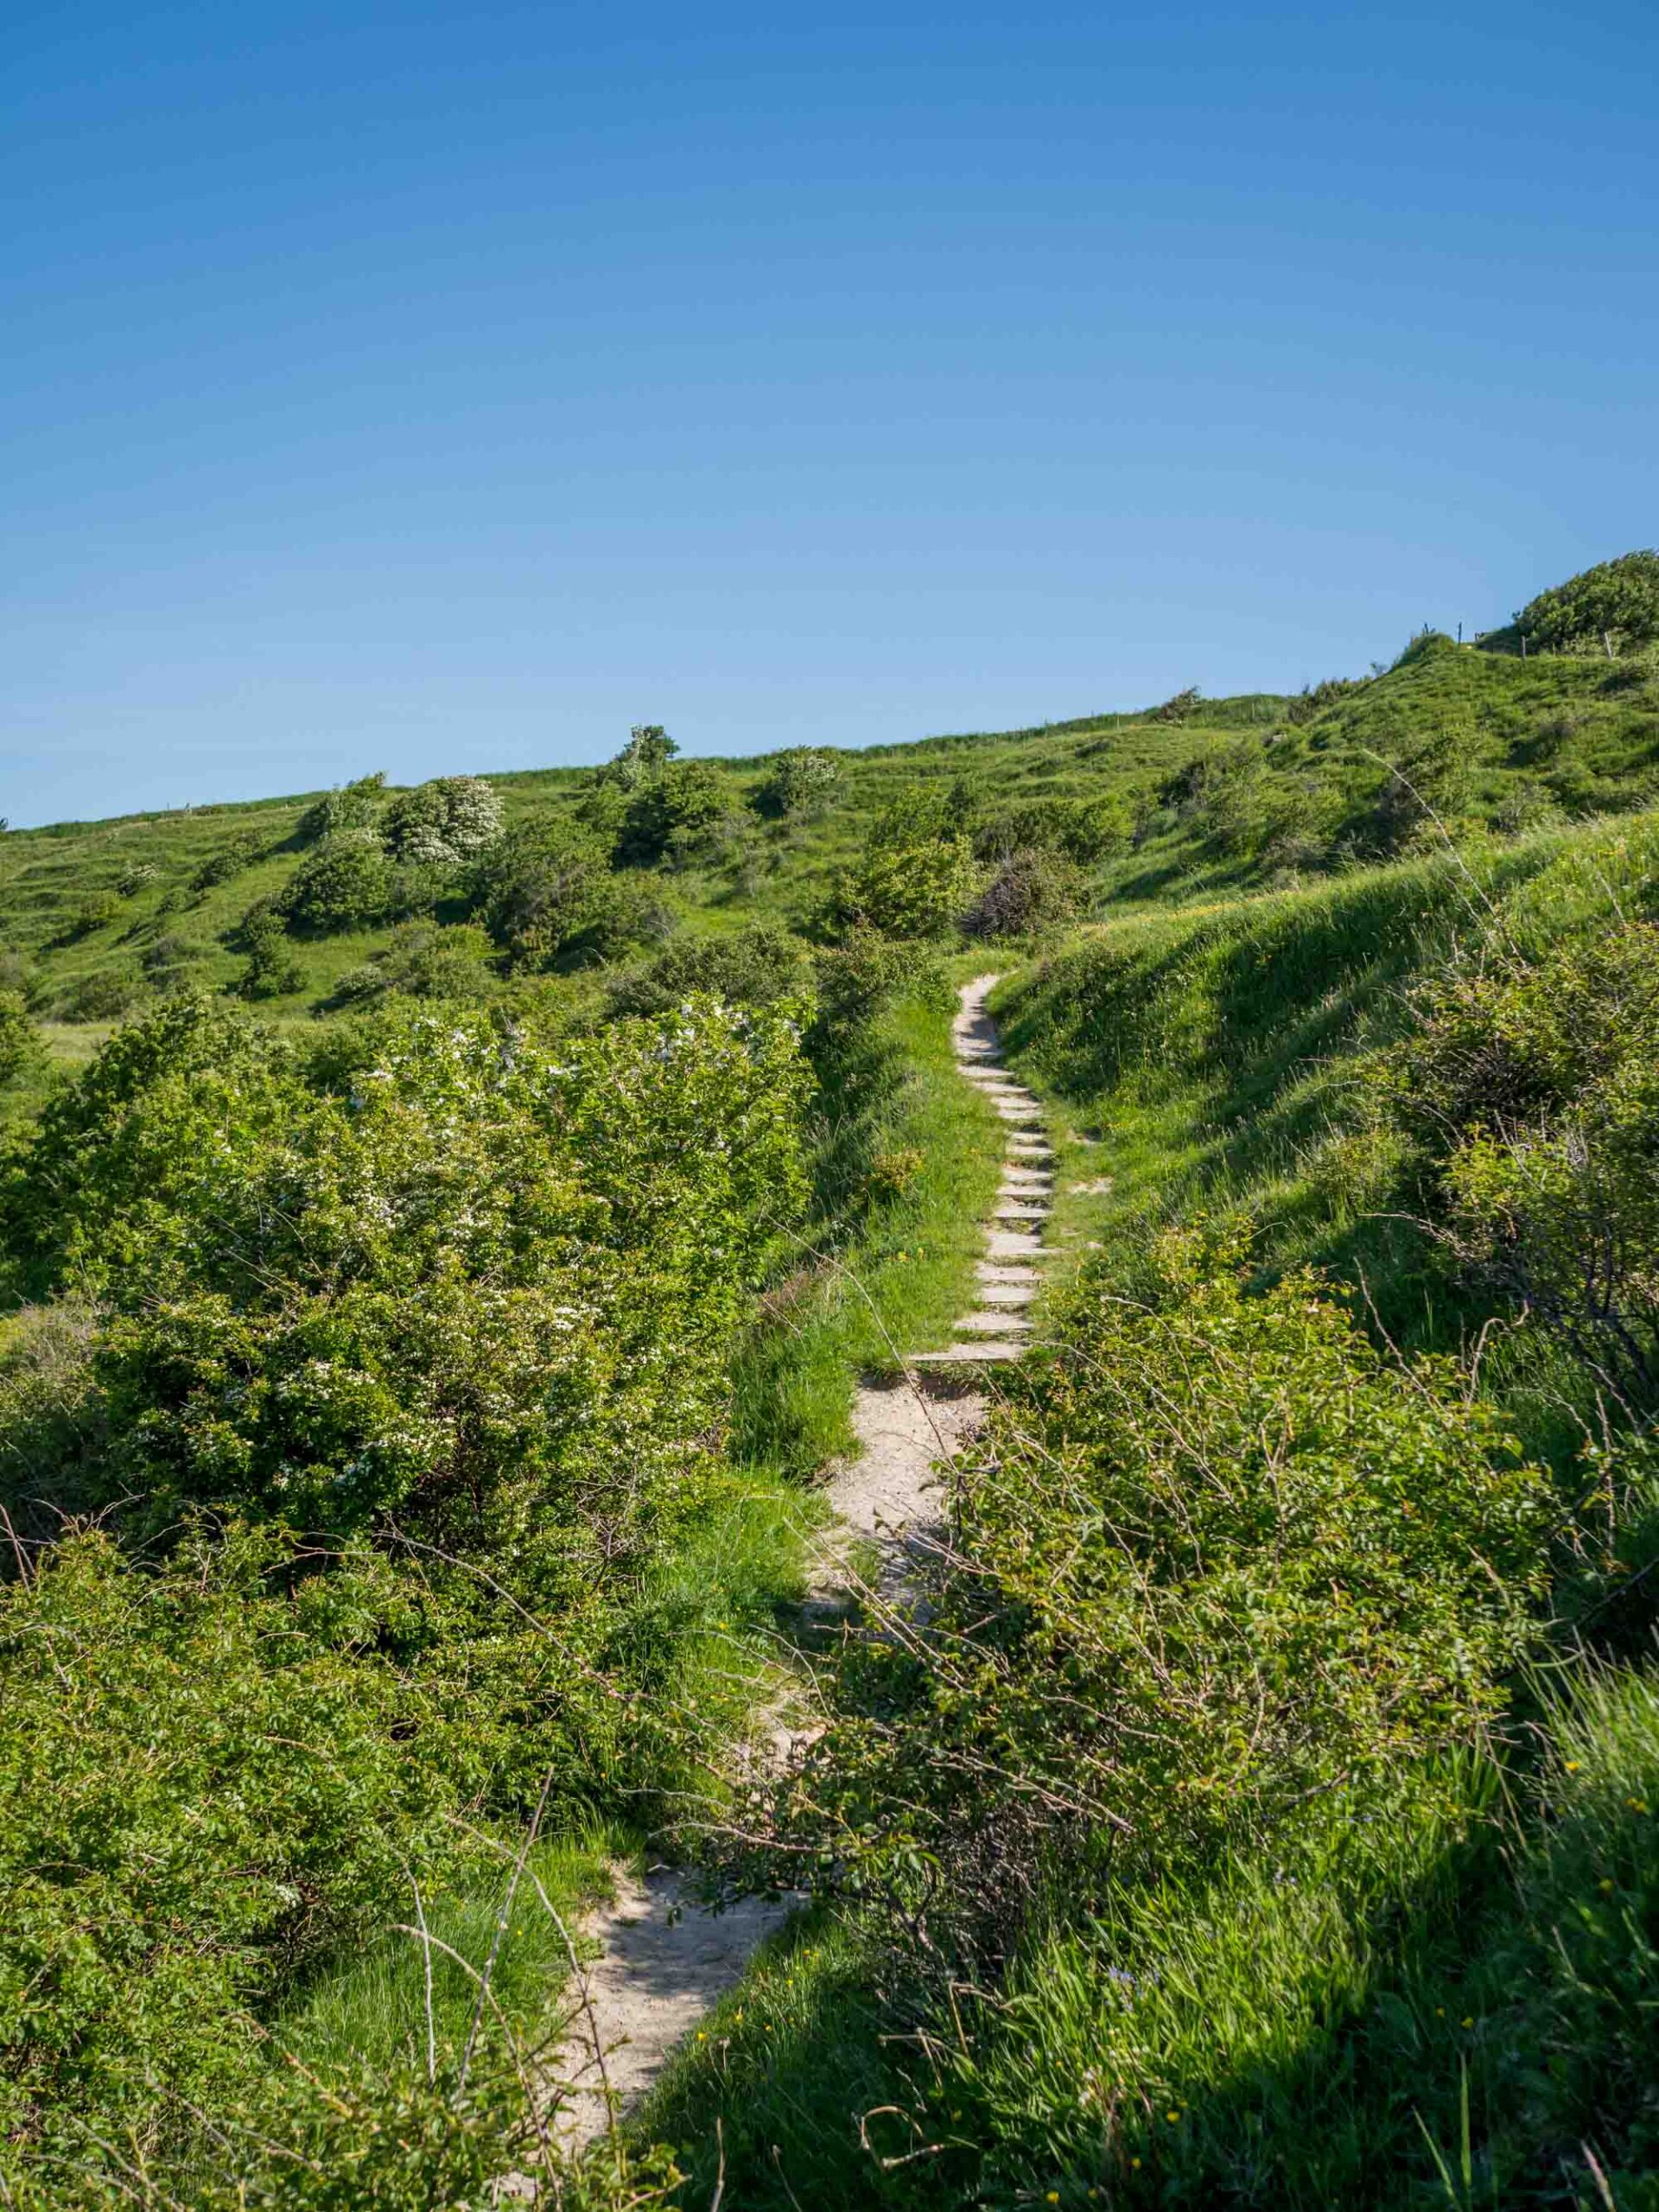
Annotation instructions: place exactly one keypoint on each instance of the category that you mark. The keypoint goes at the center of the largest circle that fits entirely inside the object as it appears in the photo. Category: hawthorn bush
(1218, 1560)
(471, 1283)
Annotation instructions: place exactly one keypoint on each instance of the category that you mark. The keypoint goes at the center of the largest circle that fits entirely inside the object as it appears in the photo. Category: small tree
(353, 806)
(442, 823)
(545, 894)
(272, 971)
(21, 1049)
(345, 883)
(647, 753)
(910, 890)
(675, 811)
(800, 785)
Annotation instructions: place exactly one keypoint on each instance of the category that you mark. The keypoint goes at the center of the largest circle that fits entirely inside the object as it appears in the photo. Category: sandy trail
(663, 1960)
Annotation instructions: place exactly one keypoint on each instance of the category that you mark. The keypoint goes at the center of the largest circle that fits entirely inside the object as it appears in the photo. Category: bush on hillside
(671, 816)
(22, 1051)
(227, 861)
(1217, 1559)
(1424, 791)
(345, 883)
(1531, 1086)
(799, 785)
(1613, 607)
(916, 887)
(1310, 703)
(205, 1784)
(643, 759)
(441, 823)
(1425, 644)
(103, 995)
(1029, 891)
(424, 961)
(272, 970)
(351, 806)
(167, 960)
(1180, 708)
(756, 967)
(472, 1282)
(546, 897)
(1082, 830)
(94, 912)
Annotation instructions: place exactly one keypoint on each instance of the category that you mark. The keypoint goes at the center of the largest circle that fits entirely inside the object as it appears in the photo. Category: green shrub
(1217, 1560)
(546, 896)
(230, 860)
(205, 1784)
(755, 966)
(908, 889)
(459, 1291)
(21, 1050)
(354, 806)
(643, 759)
(799, 785)
(96, 913)
(272, 971)
(1613, 607)
(443, 823)
(1081, 829)
(345, 883)
(1029, 891)
(1531, 1085)
(673, 813)
(167, 960)
(424, 962)
(103, 995)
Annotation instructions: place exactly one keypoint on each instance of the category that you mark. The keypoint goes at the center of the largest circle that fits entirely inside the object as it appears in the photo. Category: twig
(502, 1920)
(426, 1955)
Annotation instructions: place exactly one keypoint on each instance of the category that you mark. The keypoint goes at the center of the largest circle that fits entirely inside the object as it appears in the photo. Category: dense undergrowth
(441, 1230)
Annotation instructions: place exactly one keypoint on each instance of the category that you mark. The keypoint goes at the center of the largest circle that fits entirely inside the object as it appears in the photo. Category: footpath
(663, 1960)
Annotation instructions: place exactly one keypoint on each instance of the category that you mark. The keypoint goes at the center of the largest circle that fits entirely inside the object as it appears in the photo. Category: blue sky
(431, 389)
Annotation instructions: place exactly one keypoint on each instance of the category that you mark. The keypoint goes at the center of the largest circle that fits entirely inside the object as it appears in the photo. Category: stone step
(1006, 1293)
(967, 1356)
(1000, 1271)
(1008, 1244)
(988, 1324)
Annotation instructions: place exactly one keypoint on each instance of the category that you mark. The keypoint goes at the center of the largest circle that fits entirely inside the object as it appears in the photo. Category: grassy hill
(1191, 798)
(408, 1430)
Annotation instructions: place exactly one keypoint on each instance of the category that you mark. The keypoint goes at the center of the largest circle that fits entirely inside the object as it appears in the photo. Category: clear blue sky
(430, 389)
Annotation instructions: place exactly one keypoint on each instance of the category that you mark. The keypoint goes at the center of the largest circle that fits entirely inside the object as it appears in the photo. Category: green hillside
(442, 1231)
(1174, 804)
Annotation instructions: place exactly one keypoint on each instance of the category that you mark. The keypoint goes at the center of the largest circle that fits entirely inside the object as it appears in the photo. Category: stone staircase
(1007, 1275)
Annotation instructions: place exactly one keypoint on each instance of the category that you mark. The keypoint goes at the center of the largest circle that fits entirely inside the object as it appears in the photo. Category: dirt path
(664, 1962)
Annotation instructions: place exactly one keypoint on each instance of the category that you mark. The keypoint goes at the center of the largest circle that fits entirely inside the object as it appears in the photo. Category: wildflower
(1172, 2117)
(1637, 1804)
(1468, 2020)
(1605, 1887)
(1572, 1766)
(1135, 2163)
(1053, 2197)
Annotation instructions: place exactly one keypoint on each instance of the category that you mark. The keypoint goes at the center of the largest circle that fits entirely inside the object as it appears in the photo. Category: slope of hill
(440, 1238)
(1196, 795)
